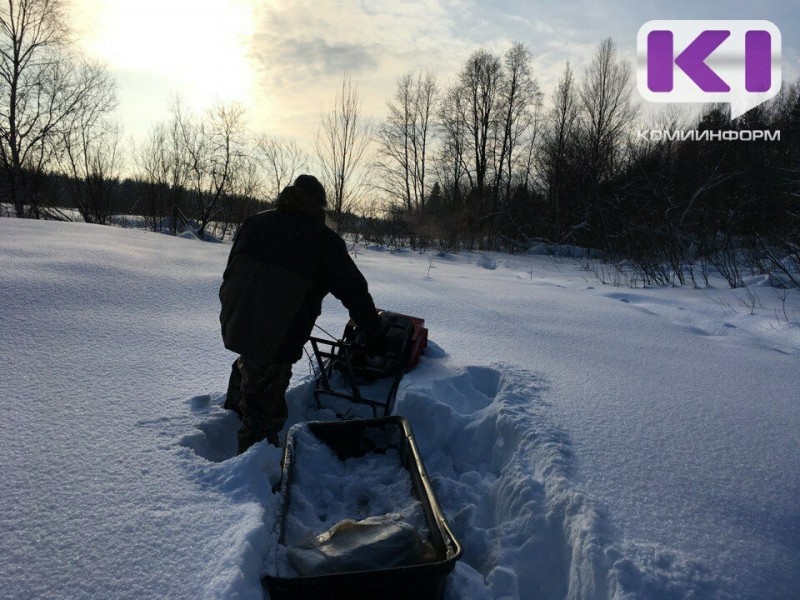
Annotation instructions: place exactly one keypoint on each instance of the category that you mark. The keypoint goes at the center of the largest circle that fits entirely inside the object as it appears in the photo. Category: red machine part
(419, 341)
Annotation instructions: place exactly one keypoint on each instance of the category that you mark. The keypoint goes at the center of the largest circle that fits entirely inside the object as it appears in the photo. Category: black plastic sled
(354, 439)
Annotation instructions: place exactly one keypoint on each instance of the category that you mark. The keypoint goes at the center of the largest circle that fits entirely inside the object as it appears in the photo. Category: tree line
(483, 161)
(487, 163)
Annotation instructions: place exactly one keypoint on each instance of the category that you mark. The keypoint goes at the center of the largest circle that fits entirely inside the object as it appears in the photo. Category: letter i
(757, 61)
(659, 61)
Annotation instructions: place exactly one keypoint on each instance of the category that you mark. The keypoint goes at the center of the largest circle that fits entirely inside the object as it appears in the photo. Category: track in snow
(501, 471)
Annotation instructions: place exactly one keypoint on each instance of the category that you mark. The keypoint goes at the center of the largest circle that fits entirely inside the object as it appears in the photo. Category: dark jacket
(282, 264)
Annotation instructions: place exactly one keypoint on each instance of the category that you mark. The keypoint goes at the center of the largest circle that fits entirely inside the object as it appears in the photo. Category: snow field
(584, 440)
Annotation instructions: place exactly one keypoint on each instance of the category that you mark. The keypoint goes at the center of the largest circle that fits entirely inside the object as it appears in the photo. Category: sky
(283, 61)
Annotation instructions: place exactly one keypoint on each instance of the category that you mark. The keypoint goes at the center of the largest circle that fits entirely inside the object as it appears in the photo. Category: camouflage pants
(261, 400)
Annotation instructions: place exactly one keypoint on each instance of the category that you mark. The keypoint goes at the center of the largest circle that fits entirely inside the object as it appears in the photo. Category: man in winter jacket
(282, 264)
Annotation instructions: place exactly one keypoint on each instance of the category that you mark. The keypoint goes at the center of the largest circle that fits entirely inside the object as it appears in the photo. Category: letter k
(692, 61)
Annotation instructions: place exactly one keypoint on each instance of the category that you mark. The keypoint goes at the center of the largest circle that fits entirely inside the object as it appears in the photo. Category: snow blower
(390, 555)
(406, 338)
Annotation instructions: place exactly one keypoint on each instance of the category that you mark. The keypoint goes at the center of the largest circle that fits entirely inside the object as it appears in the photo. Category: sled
(406, 338)
(355, 439)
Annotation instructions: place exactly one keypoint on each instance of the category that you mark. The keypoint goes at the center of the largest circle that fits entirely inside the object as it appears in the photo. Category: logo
(736, 62)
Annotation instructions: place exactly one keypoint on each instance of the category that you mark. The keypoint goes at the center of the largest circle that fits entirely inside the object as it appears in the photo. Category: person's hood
(293, 199)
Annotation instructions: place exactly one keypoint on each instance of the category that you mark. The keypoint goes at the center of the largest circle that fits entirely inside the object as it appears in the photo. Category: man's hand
(375, 338)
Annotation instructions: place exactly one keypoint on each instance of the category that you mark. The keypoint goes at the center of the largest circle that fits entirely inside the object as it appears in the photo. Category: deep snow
(585, 440)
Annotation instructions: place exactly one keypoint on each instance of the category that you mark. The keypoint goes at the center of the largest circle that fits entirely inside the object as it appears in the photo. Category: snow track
(501, 470)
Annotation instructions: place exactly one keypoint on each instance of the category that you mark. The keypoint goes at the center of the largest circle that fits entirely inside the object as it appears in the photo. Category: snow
(584, 440)
(326, 491)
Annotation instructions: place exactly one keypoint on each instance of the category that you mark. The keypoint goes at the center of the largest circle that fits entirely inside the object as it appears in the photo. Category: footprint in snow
(214, 437)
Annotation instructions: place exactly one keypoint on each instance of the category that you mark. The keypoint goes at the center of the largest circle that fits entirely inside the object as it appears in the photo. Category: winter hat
(311, 186)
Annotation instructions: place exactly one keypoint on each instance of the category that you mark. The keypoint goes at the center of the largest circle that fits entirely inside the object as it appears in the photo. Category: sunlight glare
(201, 45)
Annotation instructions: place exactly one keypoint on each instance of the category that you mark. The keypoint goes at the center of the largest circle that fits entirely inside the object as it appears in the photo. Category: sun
(200, 46)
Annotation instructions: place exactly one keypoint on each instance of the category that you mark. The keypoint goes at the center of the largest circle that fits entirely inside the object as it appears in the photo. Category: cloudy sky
(283, 60)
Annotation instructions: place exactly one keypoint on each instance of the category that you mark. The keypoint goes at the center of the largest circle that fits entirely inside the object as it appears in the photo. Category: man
(282, 264)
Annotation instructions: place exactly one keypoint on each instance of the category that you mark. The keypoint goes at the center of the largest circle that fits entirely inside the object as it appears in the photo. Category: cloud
(302, 48)
(324, 37)
(316, 57)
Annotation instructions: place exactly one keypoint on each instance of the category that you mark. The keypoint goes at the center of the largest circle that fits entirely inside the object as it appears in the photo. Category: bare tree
(87, 147)
(40, 87)
(469, 118)
(162, 163)
(404, 140)
(281, 160)
(606, 110)
(216, 157)
(480, 85)
(341, 146)
(451, 164)
(519, 102)
(92, 163)
(606, 116)
(558, 135)
(151, 168)
(244, 197)
(530, 146)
